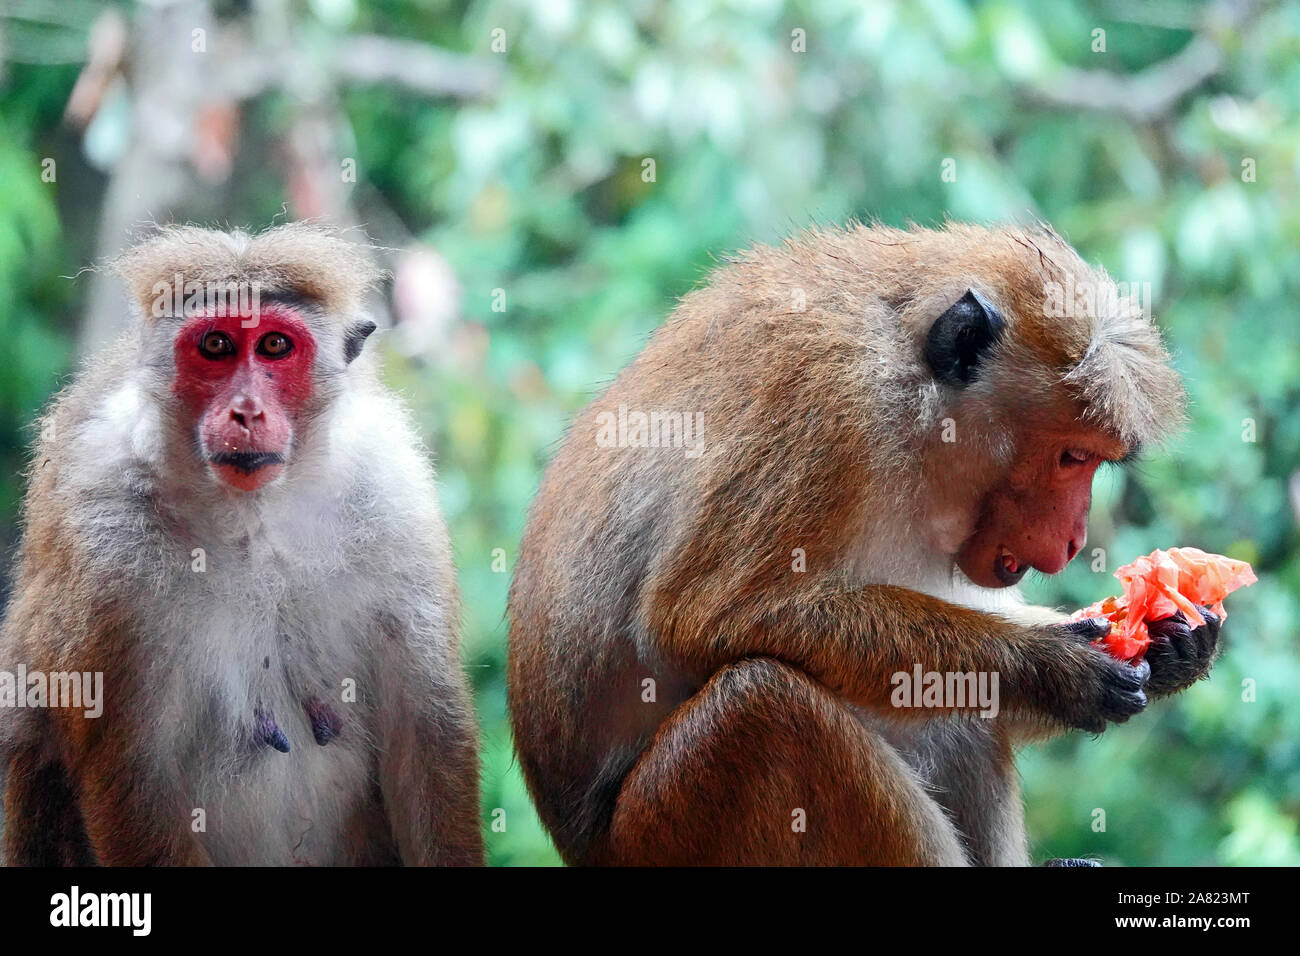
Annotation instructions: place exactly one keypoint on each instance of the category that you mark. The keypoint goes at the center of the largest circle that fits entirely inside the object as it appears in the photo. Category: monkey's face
(244, 390)
(1037, 516)
(1029, 509)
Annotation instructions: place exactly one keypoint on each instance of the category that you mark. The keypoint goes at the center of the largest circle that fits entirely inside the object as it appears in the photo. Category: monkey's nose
(243, 418)
(242, 412)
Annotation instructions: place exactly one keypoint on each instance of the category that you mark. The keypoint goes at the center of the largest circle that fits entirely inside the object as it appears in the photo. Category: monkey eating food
(232, 522)
(1165, 590)
(896, 426)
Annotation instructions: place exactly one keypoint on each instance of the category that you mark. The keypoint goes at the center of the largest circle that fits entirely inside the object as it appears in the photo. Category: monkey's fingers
(1179, 654)
(1087, 630)
(1115, 691)
(1207, 635)
(1123, 693)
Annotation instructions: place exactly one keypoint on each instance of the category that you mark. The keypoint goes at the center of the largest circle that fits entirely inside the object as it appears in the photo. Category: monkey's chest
(294, 801)
(276, 750)
(295, 785)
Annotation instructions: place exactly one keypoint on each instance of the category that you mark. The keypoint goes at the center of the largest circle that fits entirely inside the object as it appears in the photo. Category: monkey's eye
(215, 345)
(1075, 456)
(275, 345)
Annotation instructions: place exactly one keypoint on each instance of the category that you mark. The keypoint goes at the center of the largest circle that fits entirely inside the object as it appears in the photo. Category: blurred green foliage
(540, 193)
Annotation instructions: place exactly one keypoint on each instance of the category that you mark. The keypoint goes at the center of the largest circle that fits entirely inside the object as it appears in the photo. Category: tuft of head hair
(1112, 356)
(1107, 354)
(301, 258)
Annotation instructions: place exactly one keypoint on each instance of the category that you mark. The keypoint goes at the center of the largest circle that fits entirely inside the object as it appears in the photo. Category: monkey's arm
(1035, 614)
(79, 788)
(855, 640)
(133, 814)
(428, 763)
(100, 814)
(1026, 726)
(43, 825)
(127, 796)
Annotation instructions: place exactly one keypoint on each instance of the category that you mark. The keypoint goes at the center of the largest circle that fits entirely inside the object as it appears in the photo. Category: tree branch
(1149, 94)
(414, 66)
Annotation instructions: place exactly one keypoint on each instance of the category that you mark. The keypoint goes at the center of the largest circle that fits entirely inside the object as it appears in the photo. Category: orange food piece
(1159, 586)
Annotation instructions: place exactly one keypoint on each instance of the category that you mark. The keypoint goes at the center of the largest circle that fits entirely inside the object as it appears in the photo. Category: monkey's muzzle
(247, 462)
(247, 470)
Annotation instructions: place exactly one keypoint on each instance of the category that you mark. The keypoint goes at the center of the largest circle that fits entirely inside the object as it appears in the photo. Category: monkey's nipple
(325, 723)
(267, 731)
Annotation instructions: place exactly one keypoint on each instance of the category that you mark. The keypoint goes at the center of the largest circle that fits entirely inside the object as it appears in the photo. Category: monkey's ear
(960, 337)
(355, 338)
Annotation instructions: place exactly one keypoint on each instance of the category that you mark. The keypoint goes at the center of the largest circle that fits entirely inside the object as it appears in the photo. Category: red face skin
(1038, 518)
(244, 390)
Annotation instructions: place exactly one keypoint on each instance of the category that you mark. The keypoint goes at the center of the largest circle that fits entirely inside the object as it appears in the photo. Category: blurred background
(547, 177)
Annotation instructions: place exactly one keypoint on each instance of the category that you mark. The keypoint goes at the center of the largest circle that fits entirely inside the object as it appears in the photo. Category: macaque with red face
(233, 522)
(891, 428)
(245, 387)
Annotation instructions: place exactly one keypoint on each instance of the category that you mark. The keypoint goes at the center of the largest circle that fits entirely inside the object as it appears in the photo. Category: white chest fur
(259, 638)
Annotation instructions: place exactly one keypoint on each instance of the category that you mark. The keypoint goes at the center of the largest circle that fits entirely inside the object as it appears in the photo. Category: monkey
(833, 465)
(233, 522)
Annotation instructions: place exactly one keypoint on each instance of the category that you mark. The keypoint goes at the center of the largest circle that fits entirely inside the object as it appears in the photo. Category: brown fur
(310, 260)
(823, 434)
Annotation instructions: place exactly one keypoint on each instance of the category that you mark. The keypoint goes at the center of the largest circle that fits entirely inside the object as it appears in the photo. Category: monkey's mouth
(247, 462)
(1007, 568)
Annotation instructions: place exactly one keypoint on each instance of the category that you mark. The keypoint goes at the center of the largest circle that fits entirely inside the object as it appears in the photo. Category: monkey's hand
(1180, 655)
(1100, 688)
